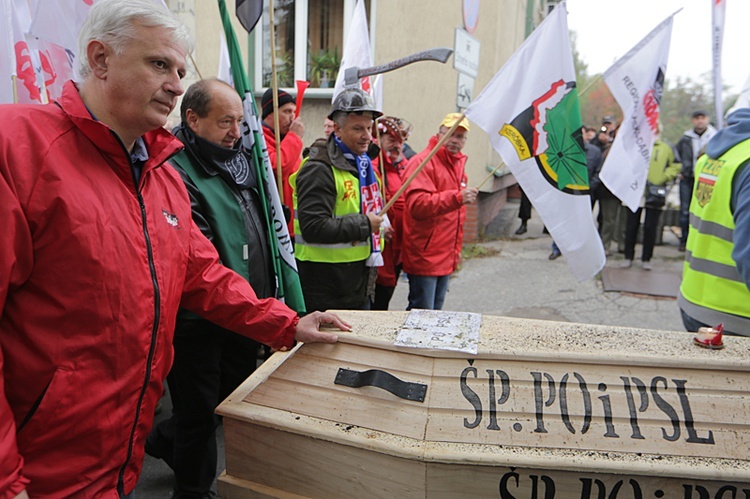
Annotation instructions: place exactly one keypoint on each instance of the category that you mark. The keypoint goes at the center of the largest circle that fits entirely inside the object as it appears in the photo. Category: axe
(353, 74)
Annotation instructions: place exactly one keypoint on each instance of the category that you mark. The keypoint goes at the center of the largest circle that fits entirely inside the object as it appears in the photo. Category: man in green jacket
(210, 362)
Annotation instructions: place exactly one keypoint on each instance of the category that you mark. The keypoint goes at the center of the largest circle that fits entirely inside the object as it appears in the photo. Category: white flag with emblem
(637, 83)
(530, 111)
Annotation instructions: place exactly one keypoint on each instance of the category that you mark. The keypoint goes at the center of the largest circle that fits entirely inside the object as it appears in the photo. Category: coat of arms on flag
(550, 133)
(530, 111)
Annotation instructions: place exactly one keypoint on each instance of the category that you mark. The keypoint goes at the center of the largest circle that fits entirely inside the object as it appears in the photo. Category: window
(306, 50)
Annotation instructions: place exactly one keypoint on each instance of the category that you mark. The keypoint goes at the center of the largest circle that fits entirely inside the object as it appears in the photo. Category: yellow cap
(451, 118)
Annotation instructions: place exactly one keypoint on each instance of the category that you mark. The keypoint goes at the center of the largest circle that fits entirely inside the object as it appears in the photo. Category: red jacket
(92, 272)
(434, 216)
(291, 155)
(392, 250)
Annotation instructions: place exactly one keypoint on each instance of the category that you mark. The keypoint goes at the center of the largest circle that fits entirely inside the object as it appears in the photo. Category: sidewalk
(520, 281)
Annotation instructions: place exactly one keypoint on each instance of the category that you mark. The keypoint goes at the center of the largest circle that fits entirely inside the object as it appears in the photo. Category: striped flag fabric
(288, 287)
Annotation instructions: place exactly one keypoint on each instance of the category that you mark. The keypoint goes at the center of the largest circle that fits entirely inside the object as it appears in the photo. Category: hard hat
(354, 100)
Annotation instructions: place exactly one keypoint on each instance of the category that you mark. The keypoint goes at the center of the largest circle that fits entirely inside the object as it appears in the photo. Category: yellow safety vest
(347, 202)
(712, 290)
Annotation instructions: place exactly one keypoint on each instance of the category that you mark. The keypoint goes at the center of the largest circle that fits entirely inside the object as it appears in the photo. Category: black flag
(249, 12)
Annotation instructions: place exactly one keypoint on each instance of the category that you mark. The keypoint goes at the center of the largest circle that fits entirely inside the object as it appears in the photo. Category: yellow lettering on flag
(519, 143)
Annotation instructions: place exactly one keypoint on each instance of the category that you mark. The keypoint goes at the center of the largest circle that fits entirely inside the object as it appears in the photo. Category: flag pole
(275, 95)
(492, 173)
(380, 158)
(588, 87)
(414, 174)
(13, 82)
(195, 66)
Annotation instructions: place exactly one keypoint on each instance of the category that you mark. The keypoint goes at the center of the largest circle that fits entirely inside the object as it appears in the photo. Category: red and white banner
(718, 13)
(25, 64)
(637, 82)
(357, 54)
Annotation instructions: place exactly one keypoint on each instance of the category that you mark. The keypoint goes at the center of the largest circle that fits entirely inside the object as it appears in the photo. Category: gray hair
(112, 22)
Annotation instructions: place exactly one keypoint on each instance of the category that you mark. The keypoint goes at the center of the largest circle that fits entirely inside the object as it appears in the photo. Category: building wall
(423, 92)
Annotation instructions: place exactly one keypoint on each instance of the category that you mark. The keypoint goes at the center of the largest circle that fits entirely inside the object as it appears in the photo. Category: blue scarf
(370, 200)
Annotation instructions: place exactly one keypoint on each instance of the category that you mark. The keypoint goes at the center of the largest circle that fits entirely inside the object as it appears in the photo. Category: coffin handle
(381, 379)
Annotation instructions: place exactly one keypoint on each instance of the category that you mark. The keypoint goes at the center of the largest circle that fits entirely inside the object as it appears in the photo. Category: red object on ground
(710, 337)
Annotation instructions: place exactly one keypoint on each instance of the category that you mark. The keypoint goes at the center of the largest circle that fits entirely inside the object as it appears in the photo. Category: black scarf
(232, 164)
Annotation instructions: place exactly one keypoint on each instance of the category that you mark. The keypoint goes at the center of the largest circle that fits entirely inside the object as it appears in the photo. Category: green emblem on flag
(550, 131)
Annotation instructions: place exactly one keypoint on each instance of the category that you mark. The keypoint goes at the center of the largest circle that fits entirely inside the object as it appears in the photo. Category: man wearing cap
(689, 148)
(393, 132)
(336, 202)
(291, 131)
(434, 216)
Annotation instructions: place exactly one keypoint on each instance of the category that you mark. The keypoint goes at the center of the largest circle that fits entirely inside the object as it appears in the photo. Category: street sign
(471, 15)
(465, 90)
(466, 54)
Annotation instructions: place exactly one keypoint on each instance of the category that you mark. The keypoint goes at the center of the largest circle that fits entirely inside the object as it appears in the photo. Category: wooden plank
(683, 412)
(457, 482)
(236, 488)
(316, 468)
(305, 385)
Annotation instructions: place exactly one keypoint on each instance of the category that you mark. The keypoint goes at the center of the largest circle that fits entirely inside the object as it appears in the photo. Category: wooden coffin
(543, 410)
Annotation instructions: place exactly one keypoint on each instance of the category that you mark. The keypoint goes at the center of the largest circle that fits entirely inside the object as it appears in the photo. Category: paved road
(519, 281)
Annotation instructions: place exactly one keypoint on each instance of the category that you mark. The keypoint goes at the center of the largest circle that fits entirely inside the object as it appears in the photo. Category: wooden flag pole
(380, 160)
(275, 92)
(492, 173)
(195, 66)
(13, 82)
(588, 87)
(414, 174)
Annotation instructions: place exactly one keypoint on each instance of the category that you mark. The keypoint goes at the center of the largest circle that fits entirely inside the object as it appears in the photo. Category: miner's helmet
(354, 100)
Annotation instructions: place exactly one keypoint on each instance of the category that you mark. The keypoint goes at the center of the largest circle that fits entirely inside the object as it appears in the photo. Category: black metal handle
(381, 379)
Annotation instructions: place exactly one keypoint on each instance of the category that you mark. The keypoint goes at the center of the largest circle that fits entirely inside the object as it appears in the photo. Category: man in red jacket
(291, 131)
(393, 132)
(434, 216)
(98, 252)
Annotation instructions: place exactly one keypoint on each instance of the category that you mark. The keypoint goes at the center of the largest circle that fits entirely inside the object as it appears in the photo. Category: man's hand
(297, 127)
(375, 221)
(22, 495)
(469, 195)
(308, 328)
(389, 233)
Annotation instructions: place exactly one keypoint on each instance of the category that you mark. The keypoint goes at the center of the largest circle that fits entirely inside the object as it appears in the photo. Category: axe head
(351, 76)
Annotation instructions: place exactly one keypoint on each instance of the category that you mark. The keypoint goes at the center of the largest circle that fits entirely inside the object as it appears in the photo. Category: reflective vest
(712, 290)
(347, 202)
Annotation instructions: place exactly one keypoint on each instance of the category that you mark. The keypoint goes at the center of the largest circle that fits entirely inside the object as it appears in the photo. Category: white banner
(531, 113)
(7, 53)
(637, 83)
(357, 53)
(718, 13)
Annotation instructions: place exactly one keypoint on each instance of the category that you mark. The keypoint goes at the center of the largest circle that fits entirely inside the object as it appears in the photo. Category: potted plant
(324, 67)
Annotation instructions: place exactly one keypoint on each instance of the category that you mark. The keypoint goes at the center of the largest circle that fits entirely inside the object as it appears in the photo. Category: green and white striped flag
(288, 288)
